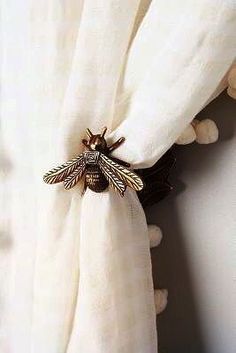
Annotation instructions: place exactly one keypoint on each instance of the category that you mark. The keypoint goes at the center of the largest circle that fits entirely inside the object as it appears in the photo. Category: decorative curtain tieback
(99, 169)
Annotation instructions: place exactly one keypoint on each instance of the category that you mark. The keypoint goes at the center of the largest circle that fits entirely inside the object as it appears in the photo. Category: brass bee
(99, 169)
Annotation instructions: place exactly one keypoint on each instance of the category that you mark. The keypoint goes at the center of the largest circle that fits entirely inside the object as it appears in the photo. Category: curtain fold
(104, 29)
(180, 78)
(115, 307)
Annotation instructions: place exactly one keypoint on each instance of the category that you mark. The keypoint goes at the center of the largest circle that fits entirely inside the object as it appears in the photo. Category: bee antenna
(104, 130)
(89, 133)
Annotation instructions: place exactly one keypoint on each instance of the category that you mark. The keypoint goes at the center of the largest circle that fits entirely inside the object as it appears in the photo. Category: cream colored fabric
(76, 273)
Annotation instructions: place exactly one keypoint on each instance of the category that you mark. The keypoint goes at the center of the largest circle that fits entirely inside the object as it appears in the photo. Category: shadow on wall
(179, 326)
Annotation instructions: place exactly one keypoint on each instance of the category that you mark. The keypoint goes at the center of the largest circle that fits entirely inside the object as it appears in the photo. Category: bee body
(95, 180)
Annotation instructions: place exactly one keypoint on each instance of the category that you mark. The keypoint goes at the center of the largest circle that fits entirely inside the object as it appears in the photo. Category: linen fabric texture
(76, 271)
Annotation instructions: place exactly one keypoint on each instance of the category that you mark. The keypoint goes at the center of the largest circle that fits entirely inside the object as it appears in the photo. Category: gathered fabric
(75, 270)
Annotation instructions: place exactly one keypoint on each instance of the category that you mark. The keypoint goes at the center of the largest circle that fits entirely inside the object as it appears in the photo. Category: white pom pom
(206, 131)
(231, 92)
(195, 122)
(187, 136)
(155, 235)
(160, 299)
(232, 77)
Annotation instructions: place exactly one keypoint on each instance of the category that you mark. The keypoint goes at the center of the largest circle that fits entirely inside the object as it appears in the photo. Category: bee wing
(74, 177)
(125, 175)
(112, 178)
(58, 174)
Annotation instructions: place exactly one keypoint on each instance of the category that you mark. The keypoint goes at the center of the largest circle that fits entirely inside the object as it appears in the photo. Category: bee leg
(116, 144)
(85, 143)
(119, 161)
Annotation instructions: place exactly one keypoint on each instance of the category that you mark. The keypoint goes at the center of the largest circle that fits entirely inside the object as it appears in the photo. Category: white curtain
(75, 272)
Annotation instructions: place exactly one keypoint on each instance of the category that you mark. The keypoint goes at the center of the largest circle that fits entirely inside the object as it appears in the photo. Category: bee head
(96, 142)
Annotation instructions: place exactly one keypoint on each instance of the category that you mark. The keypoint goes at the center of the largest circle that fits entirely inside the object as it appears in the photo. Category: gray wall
(196, 260)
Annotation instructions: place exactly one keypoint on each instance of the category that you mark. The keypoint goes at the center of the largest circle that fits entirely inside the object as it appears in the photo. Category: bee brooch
(99, 169)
